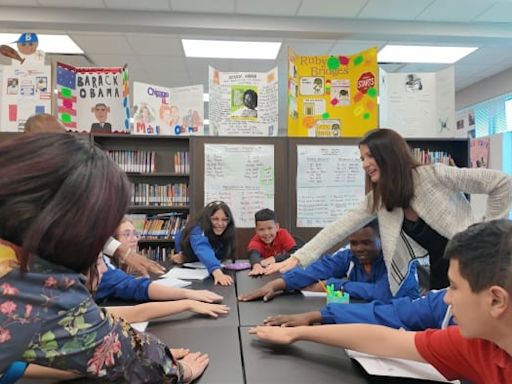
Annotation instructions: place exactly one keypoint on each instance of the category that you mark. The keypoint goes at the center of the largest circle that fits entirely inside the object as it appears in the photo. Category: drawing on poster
(144, 119)
(311, 86)
(413, 83)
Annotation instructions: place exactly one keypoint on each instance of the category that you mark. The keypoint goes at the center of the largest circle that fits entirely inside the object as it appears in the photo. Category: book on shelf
(162, 226)
(181, 163)
(160, 195)
(425, 156)
(134, 161)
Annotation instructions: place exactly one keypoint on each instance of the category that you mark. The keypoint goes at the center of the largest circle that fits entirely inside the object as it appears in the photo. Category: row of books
(134, 161)
(430, 157)
(182, 163)
(161, 226)
(158, 253)
(160, 195)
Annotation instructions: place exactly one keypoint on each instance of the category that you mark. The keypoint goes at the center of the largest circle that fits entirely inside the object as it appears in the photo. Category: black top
(435, 244)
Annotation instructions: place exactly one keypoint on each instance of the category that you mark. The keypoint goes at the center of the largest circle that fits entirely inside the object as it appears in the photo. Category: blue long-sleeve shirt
(117, 284)
(429, 311)
(208, 254)
(334, 269)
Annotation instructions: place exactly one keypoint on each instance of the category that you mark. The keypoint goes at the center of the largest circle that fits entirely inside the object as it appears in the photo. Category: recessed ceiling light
(422, 54)
(47, 43)
(231, 49)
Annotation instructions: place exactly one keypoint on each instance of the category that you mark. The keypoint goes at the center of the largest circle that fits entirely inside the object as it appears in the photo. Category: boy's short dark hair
(374, 224)
(484, 252)
(265, 214)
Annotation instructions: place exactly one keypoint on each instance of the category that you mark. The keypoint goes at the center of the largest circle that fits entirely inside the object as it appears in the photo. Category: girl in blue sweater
(209, 238)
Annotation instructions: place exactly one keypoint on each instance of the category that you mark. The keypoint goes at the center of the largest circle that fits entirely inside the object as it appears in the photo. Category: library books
(160, 195)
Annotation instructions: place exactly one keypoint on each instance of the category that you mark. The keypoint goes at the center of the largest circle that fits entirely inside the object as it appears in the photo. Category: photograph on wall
(336, 87)
(243, 103)
(479, 152)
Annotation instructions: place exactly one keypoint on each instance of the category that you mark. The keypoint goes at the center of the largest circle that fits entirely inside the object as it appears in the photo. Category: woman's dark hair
(60, 198)
(392, 154)
(226, 240)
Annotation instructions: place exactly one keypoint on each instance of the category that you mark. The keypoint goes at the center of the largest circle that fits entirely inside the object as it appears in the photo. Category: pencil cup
(338, 297)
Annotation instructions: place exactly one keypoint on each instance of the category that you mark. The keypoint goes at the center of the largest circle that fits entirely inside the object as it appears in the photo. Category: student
(48, 211)
(363, 262)
(479, 349)
(419, 207)
(44, 122)
(429, 311)
(270, 244)
(117, 284)
(209, 238)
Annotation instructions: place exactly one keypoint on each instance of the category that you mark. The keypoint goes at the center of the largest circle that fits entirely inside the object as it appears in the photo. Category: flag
(66, 104)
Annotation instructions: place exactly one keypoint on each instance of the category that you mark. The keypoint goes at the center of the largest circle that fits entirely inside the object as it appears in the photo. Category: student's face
(365, 244)
(101, 113)
(369, 164)
(267, 230)
(219, 222)
(128, 236)
(468, 308)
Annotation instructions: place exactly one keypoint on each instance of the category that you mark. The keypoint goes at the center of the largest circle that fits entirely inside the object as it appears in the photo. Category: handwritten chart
(242, 176)
(330, 181)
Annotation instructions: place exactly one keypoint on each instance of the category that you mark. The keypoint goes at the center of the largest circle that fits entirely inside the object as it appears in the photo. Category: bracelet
(125, 256)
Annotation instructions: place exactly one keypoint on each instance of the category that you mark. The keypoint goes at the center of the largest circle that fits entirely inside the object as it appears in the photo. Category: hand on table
(203, 295)
(257, 270)
(276, 335)
(267, 292)
(307, 318)
(220, 278)
(213, 310)
(283, 266)
(193, 365)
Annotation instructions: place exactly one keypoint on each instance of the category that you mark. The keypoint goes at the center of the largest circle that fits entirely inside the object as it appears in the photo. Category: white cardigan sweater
(438, 199)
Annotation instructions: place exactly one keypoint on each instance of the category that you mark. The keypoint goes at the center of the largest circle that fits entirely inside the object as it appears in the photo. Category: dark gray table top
(220, 343)
(254, 312)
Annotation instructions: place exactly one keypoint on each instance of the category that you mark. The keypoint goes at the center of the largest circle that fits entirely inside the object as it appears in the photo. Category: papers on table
(382, 366)
(194, 265)
(141, 327)
(313, 294)
(173, 282)
(187, 274)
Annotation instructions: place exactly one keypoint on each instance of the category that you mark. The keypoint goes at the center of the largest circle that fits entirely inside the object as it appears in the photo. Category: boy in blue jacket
(429, 311)
(359, 270)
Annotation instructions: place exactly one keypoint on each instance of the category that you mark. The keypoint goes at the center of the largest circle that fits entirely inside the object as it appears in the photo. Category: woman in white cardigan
(419, 208)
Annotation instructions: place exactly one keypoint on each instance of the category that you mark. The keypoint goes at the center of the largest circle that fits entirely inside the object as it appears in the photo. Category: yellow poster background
(331, 96)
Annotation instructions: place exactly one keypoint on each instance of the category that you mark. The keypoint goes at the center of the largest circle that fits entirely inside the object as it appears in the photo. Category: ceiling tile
(116, 61)
(499, 12)
(238, 65)
(203, 6)
(155, 45)
(72, 3)
(102, 43)
(163, 64)
(401, 9)
(268, 7)
(454, 10)
(152, 5)
(351, 47)
(307, 47)
(330, 8)
(20, 3)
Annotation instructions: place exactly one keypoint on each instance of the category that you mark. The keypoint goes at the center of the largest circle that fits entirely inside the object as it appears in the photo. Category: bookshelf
(158, 168)
(457, 149)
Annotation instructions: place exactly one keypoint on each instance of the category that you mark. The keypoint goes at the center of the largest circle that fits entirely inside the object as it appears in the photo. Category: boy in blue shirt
(359, 270)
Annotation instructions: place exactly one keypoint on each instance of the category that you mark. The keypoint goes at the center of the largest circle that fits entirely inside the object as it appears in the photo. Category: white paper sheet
(173, 282)
(382, 366)
(195, 265)
(313, 294)
(141, 326)
(187, 274)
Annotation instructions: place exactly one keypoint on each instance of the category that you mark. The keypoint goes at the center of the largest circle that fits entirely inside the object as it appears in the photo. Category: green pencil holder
(338, 297)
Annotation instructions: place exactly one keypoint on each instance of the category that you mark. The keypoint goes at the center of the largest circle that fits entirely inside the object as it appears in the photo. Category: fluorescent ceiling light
(47, 43)
(422, 54)
(231, 49)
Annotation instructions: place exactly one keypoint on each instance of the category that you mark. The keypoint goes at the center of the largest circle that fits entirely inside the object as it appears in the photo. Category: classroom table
(239, 358)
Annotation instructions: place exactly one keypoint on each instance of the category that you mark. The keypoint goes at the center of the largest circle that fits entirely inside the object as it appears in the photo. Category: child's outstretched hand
(276, 335)
(269, 260)
(220, 278)
(257, 270)
(203, 295)
(213, 310)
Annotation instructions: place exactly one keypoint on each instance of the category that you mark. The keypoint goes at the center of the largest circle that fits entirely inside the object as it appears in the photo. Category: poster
(479, 152)
(159, 110)
(242, 176)
(419, 104)
(465, 123)
(26, 90)
(243, 103)
(91, 99)
(332, 96)
(330, 181)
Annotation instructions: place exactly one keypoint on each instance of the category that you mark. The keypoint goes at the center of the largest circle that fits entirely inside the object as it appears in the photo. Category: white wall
(488, 88)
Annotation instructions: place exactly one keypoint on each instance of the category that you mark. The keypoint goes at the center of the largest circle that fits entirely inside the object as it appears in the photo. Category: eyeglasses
(217, 202)
(128, 234)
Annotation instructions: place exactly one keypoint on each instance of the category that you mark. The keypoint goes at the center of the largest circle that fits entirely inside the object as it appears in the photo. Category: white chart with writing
(330, 181)
(242, 176)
